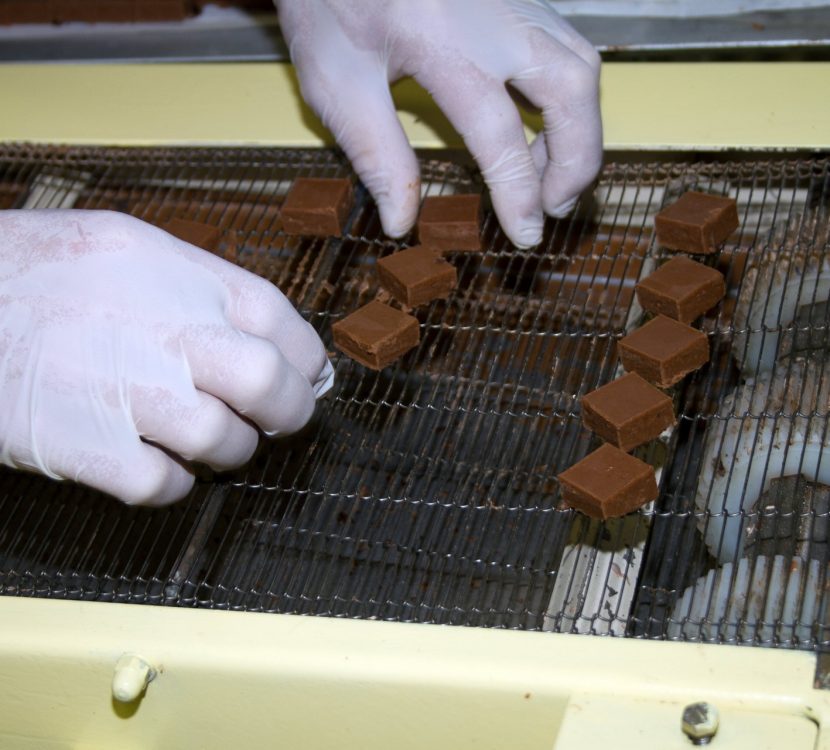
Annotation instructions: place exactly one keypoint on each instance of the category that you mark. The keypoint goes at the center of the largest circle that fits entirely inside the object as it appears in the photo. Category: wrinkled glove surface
(464, 53)
(125, 353)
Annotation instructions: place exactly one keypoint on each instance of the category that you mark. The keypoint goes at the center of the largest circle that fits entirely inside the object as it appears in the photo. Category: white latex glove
(112, 331)
(463, 52)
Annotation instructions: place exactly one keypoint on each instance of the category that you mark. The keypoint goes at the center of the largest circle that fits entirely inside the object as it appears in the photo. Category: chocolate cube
(681, 289)
(417, 275)
(608, 483)
(663, 351)
(74, 10)
(627, 412)
(376, 335)
(118, 11)
(595, 286)
(161, 10)
(25, 11)
(114, 11)
(451, 222)
(12, 195)
(318, 207)
(696, 222)
(202, 235)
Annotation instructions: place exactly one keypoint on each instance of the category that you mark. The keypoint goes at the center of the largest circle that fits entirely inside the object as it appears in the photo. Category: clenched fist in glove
(122, 347)
(464, 53)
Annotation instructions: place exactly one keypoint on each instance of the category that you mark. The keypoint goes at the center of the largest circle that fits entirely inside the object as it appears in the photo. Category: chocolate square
(318, 207)
(608, 483)
(376, 335)
(595, 286)
(627, 412)
(202, 235)
(74, 10)
(417, 275)
(267, 5)
(12, 195)
(25, 11)
(114, 11)
(239, 215)
(119, 11)
(161, 10)
(731, 263)
(682, 289)
(696, 222)
(451, 222)
(663, 351)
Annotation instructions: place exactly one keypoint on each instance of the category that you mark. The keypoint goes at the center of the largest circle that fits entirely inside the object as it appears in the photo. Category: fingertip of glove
(528, 235)
(324, 381)
(159, 492)
(395, 226)
(398, 208)
(563, 209)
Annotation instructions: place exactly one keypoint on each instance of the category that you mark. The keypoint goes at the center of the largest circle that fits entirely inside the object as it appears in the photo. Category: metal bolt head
(700, 722)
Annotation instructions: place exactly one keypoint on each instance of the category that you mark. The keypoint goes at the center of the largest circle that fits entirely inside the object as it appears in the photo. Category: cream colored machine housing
(216, 679)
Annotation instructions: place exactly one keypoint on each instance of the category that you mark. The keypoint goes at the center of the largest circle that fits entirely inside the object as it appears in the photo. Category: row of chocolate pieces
(313, 207)
(110, 11)
(377, 334)
(320, 207)
(631, 411)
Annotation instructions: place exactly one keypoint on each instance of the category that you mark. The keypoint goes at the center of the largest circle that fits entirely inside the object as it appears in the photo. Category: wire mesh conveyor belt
(427, 492)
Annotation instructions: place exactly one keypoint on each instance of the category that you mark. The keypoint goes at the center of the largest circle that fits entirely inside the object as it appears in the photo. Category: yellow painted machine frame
(223, 679)
(657, 106)
(230, 679)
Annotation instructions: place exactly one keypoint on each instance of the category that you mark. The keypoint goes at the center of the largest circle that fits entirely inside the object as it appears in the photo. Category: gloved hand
(463, 52)
(112, 331)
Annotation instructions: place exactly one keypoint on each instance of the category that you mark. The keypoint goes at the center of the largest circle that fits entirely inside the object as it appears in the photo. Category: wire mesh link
(427, 492)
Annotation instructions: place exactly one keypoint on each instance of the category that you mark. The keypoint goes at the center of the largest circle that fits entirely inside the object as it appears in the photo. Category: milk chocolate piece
(25, 11)
(114, 11)
(663, 351)
(596, 285)
(202, 235)
(317, 207)
(696, 222)
(451, 222)
(162, 10)
(238, 214)
(92, 11)
(731, 263)
(608, 483)
(266, 5)
(417, 275)
(11, 195)
(74, 10)
(376, 335)
(681, 289)
(627, 412)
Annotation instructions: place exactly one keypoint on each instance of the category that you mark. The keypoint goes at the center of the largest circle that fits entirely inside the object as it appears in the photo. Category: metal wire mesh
(427, 492)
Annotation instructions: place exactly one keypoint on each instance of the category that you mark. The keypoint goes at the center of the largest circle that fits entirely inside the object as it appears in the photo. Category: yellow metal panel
(691, 105)
(268, 680)
(606, 721)
(166, 104)
(672, 105)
